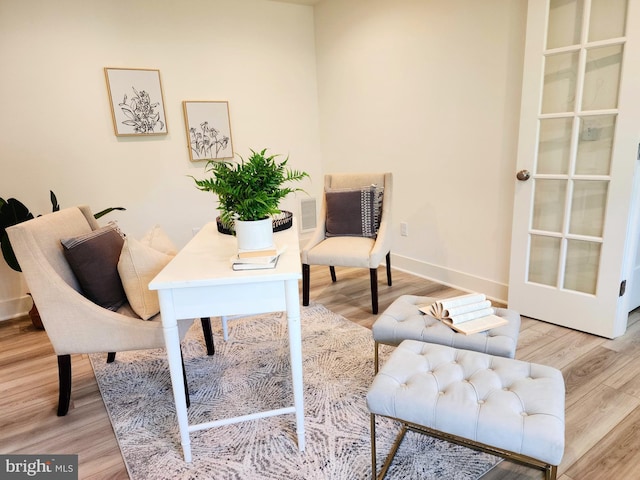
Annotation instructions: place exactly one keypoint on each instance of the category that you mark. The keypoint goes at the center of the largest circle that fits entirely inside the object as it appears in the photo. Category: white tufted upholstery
(403, 321)
(509, 404)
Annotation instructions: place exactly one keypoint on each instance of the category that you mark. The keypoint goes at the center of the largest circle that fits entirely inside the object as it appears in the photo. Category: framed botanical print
(137, 103)
(208, 130)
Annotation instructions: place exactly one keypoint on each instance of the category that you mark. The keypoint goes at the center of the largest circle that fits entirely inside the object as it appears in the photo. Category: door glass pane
(543, 260)
(587, 207)
(548, 205)
(565, 20)
(608, 18)
(602, 78)
(559, 89)
(595, 145)
(581, 272)
(554, 146)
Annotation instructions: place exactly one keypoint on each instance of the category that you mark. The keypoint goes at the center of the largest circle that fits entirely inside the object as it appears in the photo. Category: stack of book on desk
(466, 314)
(256, 259)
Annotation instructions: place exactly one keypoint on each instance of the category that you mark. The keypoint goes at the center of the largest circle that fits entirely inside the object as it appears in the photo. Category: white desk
(199, 282)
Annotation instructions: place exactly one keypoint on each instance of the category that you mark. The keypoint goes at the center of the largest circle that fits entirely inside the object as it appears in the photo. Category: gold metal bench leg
(392, 453)
(550, 471)
(376, 359)
(374, 465)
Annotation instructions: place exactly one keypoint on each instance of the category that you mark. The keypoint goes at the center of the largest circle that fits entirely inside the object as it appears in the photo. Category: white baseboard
(15, 307)
(494, 291)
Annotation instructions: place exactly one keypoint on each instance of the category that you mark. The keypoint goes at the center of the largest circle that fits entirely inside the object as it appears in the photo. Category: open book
(466, 314)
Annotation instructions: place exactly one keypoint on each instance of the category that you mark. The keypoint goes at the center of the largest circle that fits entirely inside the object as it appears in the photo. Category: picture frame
(208, 130)
(137, 101)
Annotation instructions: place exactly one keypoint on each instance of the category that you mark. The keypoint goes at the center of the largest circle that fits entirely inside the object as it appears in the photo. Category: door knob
(523, 175)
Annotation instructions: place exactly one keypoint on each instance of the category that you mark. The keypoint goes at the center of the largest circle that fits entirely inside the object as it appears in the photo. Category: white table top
(205, 261)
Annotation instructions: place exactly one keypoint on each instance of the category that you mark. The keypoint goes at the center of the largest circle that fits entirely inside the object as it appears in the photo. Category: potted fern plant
(249, 193)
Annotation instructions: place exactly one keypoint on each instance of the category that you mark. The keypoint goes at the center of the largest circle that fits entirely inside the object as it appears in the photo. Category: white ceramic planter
(254, 235)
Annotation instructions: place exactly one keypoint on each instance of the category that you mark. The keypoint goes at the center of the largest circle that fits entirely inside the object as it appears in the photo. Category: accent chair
(354, 228)
(74, 323)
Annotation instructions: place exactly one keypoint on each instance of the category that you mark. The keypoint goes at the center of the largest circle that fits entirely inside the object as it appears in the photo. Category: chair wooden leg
(332, 270)
(111, 357)
(374, 289)
(306, 278)
(64, 380)
(208, 335)
(389, 268)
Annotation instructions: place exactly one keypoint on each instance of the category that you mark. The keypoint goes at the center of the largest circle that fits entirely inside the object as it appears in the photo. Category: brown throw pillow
(93, 258)
(354, 212)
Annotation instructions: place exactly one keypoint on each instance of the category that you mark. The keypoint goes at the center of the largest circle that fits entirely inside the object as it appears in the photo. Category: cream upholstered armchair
(73, 322)
(354, 228)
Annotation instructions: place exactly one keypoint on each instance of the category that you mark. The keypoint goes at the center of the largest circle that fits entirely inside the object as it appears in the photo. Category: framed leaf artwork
(137, 103)
(208, 130)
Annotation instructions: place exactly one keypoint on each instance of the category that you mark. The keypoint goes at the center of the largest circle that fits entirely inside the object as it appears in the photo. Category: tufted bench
(506, 407)
(403, 321)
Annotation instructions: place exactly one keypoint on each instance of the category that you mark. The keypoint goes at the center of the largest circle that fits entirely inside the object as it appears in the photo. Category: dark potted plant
(250, 191)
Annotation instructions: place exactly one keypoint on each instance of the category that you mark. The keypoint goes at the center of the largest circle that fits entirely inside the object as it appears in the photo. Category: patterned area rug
(251, 372)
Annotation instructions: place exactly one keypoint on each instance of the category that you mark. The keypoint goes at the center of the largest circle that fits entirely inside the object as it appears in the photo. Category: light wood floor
(602, 380)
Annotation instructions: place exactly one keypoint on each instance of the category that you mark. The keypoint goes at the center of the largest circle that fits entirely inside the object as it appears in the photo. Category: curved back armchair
(74, 323)
(354, 228)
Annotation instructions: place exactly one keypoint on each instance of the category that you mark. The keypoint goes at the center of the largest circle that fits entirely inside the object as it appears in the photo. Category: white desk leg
(172, 341)
(295, 349)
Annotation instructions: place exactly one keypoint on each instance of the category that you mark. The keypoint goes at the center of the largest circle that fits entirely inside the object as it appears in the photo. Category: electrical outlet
(404, 229)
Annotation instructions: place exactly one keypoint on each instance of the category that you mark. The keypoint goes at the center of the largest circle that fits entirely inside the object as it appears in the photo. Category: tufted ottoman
(507, 407)
(403, 321)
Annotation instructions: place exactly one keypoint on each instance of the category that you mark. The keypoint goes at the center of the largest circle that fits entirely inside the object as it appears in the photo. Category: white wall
(13, 301)
(429, 90)
(55, 120)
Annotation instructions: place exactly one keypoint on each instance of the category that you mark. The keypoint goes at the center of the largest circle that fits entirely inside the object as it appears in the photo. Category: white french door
(573, 228)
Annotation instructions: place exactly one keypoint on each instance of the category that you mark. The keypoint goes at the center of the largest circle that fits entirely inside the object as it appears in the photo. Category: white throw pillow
(138, 265)
(157, 239)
